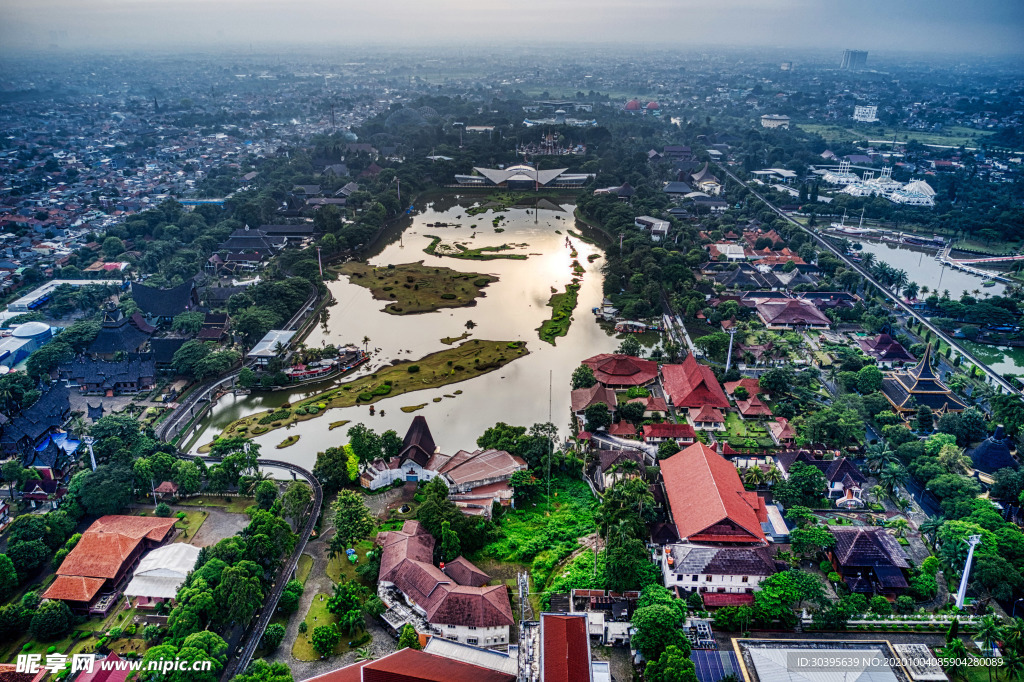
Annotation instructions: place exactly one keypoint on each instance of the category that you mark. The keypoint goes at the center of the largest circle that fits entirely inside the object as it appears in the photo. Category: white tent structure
(161, 572)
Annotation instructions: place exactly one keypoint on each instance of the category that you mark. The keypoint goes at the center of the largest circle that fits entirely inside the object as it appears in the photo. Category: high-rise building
(854, 59)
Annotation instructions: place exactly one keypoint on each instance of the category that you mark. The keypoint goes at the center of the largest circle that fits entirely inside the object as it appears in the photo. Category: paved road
(1002, 384)
(251, 639)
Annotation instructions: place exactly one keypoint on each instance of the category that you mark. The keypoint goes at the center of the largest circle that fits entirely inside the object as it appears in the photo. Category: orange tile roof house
(92, 575)
(692, 384)
(565, 647)
(707, 500)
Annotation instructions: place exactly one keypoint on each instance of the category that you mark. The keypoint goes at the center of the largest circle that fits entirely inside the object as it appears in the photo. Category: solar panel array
(714, 665)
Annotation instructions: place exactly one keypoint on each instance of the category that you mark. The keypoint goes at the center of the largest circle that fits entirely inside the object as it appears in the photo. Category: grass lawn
(462, 251)
(232, 505)
(952, 136)
(466, 361)
(190, 525)
(318, 615)
(416, 288)
(304, 568)
(734, 426)
(340, 568)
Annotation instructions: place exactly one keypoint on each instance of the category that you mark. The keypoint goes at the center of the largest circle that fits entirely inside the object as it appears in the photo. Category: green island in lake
(416, 288)
(452, 365)
(435, 248)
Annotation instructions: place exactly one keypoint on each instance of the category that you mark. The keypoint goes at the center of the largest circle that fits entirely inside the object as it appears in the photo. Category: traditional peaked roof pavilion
(993, 453)
(707, 499)
(164, 303)
(419, 443)
(794, 312)
(907, 390)
(118, 334)
(692, 384)
(616, 370)
(885, 348)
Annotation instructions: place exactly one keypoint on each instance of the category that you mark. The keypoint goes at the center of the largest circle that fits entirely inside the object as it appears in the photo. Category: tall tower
(854, 60)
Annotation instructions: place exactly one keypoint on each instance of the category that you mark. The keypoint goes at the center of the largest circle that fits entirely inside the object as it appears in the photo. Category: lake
(511, 310)
(1002, 359)
(921, 267)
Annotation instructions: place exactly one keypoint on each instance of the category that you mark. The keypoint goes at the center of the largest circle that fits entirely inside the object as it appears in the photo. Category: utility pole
(962, 592)
(732, 335)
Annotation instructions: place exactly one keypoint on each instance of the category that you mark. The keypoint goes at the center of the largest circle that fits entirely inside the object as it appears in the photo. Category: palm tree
(930, 527)
(366, 343)
(879, 456)
(898, 524)
(892, 477)
(989, 633)
(753, 476)
(351, 622)
(773, 475)
(363, 653)
(911, 289)
(956, 650)
(258, 478)
(867, 260)
(925, 289)
(1013, 664)
(877, 492)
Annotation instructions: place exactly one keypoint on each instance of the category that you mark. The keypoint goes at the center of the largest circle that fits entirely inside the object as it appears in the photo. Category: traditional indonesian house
(791, 313)
(869, 559)
(907, 390)
(615, 465)
(750, 385)
(25, 433)
(682, 434)
(707, 500)
(120, 334)
(614, 370)
(470, 613)
(160, 306)
(654, 407)
(92, 577)
(716, 570)
(135, 373)
(582, 398)
(475, 479)
(844, 482)
(160, 574)
(412, 665)
(782, 431)
(706, 418)
(692, 384)
(885, 350)
(49, 489)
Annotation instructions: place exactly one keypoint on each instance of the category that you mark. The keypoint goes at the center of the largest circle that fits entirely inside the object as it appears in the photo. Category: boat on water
(634, 327)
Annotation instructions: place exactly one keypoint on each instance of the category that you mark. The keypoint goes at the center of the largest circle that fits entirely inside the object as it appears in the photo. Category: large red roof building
(692, 384)
(565, 648)
(103, 559)
(411, 665)
(707, 500)
(622, 371)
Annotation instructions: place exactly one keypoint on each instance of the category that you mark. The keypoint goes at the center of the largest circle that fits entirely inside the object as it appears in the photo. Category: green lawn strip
(338, 424)
(415, 288)
(339, 568)
(561, 316)
(953, 136)
(232, 505)
(452, 365)
(190, 525)
(304, 568)
(481, 253)
(449, 340)
(734, 426)
(317, 615)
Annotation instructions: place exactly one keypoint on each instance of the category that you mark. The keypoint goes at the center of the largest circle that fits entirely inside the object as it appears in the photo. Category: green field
(953, 136)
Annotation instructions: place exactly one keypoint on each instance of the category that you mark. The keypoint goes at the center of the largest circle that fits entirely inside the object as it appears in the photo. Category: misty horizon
(989, 27)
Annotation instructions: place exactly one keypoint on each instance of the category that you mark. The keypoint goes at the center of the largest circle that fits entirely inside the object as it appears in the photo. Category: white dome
(31, 330)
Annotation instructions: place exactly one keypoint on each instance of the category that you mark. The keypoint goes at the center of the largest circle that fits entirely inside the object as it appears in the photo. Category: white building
(161, 573)
(865, 114)
(719, 570)
(775, 121)
(841, 175)
(658, 228)
(916, 193)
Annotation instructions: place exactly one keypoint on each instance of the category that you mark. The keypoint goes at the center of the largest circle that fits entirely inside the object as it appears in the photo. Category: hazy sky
(950, 26)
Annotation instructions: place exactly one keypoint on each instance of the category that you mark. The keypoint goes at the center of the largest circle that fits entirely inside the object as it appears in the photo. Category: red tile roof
(109, 542)
(692, 384)
(753, 407)
(707, 498)
(412, 665)
(707, 413)
(622, 370)
(582, 398)
(716, 599)
(669, 430)
(74, 588)
(98, 674)
(752, 385)
(791, 312)
(565, 656)
(622, 429)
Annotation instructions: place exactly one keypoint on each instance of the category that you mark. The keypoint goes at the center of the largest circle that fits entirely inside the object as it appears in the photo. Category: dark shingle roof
(163, 302)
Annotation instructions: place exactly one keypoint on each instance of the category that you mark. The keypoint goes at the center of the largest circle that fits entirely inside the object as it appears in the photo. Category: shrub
(181, 515)
(835, 577)
(365, 396)
(300, 410)
(162, 510)
(303, 627)
(314, 410)
(413, 369)
(482, 282)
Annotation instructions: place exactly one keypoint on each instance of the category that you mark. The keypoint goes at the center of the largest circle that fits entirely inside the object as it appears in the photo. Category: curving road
(251, 639)
(1003, 385)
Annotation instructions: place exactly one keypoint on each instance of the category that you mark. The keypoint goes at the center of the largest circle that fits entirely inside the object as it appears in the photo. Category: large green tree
(352, 521)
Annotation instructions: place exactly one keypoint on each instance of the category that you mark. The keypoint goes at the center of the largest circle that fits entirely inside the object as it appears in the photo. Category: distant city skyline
(937, 26)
